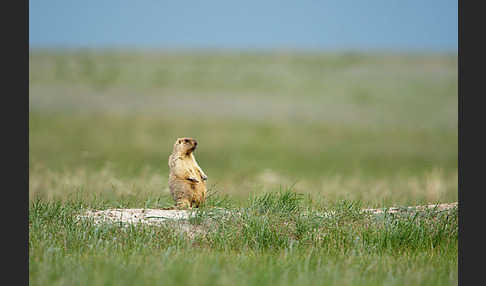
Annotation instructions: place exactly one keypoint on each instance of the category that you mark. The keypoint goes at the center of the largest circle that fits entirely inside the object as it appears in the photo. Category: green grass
(275, 238)
(343, 131)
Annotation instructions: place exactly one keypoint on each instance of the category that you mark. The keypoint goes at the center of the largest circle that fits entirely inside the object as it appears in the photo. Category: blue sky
(427, 25)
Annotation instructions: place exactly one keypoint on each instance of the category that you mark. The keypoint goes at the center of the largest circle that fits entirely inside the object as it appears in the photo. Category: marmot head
(184, 146)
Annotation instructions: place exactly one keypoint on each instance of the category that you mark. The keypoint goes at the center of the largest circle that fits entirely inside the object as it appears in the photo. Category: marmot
(187, 182)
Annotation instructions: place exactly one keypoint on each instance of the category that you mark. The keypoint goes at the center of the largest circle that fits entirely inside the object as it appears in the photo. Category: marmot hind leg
(183, 203)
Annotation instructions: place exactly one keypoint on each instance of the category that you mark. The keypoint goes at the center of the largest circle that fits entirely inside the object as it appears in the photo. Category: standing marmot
(187, 182)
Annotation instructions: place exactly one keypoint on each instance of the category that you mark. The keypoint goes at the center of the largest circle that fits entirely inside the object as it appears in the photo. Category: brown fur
(187, 181)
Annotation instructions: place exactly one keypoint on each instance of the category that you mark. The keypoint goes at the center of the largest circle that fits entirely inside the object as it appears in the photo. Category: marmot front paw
(193, 180)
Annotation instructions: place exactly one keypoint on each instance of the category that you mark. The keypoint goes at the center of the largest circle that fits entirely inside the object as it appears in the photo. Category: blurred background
(336, 99)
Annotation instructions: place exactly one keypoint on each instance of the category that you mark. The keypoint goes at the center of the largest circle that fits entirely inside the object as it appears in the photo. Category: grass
(275, 239)
(282, 137)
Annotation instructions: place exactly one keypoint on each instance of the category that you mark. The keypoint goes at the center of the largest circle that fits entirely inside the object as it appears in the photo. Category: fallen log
(154, 216)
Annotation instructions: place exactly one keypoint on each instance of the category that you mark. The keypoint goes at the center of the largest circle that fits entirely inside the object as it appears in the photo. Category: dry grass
(434, 186)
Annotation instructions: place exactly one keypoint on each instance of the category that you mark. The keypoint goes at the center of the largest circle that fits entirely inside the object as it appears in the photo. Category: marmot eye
(185, 140)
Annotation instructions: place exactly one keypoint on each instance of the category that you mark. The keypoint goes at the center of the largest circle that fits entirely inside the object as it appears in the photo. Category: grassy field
(282, 136)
